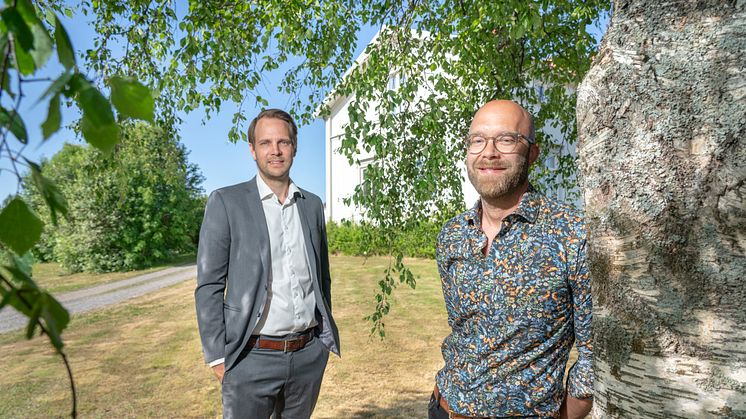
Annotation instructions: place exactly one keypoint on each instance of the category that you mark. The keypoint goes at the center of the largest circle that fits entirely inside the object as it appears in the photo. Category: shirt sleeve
(443, 261)
(217, 362)
(580, 379)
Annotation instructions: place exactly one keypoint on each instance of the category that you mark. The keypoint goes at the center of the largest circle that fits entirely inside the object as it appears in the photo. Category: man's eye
(507, 140)
(477, 140)
(285, 143)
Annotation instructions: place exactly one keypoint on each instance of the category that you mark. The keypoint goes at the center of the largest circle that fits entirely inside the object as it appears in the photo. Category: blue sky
(222, 163)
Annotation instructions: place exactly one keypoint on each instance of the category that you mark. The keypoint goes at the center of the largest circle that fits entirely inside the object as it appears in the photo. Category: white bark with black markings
(662, 149)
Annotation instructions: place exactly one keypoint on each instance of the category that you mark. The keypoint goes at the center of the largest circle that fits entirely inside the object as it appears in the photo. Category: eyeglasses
(504, 143)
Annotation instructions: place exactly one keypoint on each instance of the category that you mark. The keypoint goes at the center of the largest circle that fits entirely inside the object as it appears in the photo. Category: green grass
(52, 277)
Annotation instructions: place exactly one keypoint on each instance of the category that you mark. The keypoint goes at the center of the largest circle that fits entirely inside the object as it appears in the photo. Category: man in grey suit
(263, 292)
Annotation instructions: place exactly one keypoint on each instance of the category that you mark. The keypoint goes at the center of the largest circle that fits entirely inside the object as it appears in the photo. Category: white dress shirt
(291, 304)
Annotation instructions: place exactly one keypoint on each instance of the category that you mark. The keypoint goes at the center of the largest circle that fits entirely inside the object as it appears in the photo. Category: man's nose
(490, 149)
(275, 148)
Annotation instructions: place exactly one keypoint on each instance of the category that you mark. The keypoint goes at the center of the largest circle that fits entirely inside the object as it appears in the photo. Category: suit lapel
(255, 212)
(303, 213)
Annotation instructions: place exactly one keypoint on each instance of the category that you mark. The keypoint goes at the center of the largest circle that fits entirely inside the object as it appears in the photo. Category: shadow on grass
(407, 405)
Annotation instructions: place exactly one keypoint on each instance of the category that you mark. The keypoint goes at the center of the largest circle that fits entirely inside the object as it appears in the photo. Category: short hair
(275, 114)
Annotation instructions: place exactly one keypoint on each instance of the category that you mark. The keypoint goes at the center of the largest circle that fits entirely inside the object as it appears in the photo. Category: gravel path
(105, 295)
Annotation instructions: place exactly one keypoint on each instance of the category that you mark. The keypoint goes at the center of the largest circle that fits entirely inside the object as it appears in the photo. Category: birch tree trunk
(662, 146)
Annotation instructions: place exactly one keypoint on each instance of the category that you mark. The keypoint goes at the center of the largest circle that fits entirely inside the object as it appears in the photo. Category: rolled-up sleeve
(580, 380)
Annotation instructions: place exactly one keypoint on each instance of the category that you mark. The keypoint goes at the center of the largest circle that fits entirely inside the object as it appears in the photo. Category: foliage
(454, 56)
(364, 239)
(137, 206)
(28, 35)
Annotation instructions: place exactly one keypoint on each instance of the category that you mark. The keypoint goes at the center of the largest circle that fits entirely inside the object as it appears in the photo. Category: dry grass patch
(143, 358)
(391, 378)
(138, 359)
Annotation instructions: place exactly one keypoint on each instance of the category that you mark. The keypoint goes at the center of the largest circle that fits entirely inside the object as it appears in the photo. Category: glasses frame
(516, 136)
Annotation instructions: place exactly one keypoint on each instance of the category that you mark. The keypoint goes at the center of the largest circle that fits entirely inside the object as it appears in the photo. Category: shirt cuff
(580, 380)
(217, 362)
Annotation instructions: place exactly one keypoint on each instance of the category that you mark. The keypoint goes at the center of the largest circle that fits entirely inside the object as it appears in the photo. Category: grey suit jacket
(233, 268)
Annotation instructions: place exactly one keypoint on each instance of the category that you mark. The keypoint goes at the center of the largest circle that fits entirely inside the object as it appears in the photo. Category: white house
(342, 177)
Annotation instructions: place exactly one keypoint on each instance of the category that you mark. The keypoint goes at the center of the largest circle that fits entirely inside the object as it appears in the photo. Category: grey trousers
(265, 381)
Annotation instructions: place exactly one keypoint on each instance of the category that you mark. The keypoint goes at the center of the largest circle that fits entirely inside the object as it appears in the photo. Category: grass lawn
(54, 279)
(143, 358)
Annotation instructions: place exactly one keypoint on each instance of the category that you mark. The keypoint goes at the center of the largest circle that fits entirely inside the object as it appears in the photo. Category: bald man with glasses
(515, 284)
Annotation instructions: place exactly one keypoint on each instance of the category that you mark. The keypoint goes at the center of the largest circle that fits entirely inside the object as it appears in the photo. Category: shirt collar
(265, 192)
(528, 208)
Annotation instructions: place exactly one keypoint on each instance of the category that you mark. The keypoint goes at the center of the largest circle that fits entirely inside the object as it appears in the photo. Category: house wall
(341, 177)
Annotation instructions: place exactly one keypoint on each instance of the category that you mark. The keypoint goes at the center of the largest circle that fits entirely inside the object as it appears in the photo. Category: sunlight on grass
(143, 358)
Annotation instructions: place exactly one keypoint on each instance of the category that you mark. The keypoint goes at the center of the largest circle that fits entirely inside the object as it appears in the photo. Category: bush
(365, 239)
(128, 210)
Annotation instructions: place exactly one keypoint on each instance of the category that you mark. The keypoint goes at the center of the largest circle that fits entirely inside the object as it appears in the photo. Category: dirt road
(105, 295)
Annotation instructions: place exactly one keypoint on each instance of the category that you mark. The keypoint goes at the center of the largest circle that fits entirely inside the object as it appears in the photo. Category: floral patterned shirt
(515, 313)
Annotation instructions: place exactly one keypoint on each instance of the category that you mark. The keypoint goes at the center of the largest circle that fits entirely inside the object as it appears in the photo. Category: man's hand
(573, 408)
(219, 371)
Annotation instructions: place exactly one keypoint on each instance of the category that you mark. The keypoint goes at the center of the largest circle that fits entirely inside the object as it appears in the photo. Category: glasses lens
(476, 143)
(506, 143)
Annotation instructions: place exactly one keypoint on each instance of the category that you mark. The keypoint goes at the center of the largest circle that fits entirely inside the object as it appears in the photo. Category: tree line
(127, 210)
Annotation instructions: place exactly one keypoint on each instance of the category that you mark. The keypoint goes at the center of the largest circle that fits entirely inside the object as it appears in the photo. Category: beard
(500, 185)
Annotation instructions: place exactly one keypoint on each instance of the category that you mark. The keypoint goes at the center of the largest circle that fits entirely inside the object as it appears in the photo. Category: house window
(540, 92)
(393, 82)
(364, 167)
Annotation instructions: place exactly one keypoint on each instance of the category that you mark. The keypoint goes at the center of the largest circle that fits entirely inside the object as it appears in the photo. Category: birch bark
(662, 152)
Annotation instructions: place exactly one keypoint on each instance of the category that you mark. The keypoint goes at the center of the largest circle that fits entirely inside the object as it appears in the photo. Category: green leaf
(20, 228)
(42, 42)
(11, 298)
(8, 296)
(17, 26)
(33, 317)
(54, 119)
(49, 191)
(55, 318)
(56, 86)
(13, 122)
(24, 61)
(98, 125)
(132, 99)
(64, 48)
(102, 136)
(20, 271)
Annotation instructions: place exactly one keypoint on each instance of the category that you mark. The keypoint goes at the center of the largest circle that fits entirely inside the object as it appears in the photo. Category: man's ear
(533, 153)
(251, 149)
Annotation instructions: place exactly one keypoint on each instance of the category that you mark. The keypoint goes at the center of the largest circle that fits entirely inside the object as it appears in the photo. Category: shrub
(127, 210)
(365, 239)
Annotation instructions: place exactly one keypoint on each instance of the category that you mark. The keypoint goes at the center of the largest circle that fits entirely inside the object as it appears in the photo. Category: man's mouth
(491, 169)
